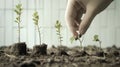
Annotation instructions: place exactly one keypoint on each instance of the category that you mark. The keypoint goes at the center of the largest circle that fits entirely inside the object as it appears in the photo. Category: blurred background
(105, 24)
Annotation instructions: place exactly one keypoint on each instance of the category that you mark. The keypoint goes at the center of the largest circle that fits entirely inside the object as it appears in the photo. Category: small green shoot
(18, 11)
(36, 20)
(58, 27)
(72, 39)
(96, 39)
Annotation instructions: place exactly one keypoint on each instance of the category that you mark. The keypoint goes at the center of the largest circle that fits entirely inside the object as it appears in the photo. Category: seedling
(18, 11)
(96, 39)
(58, 27)
(72, 39)
(36, 20)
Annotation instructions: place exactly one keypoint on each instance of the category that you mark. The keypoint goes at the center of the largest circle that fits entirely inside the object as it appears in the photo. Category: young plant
(18, 11)
(79, 39)
(58, 27)
(36, 20)
(96, 39)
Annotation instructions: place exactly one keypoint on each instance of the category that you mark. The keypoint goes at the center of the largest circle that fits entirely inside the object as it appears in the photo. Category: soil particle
(1, 52)
(59, 51)
(39, 50)
(100, 54)
(62, 52)
(27, 64)
(76, 53)
(116, 53)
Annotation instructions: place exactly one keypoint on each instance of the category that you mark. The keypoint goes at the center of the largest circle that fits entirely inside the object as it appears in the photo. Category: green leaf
(57, 30)
(96, 38)
(35, 17)
(61, 37)
(58, 25)
(16, 11)
(21, 9)
(16, 21)
(35, 14)
(19, 6)
(36, 23)
(72, 39)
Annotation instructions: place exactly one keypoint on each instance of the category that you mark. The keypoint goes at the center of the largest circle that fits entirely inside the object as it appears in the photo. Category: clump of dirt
(17, 49)
(61, 56)
(39, 50)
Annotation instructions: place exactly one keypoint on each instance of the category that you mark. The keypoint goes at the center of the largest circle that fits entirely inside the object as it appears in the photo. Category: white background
(106, 24)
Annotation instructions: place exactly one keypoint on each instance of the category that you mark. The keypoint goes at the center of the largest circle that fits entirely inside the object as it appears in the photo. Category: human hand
(75, 10)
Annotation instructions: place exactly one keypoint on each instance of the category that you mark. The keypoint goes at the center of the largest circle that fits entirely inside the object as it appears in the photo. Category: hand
(75, 10)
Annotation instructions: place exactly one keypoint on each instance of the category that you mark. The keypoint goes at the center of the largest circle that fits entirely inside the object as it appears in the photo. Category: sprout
(18, 11)
(58, 30)
(36, 20)
(96, 39)
(72, 39)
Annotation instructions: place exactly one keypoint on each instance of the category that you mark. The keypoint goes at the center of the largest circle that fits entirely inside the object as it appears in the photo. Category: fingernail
(76, 38)
(80, 35)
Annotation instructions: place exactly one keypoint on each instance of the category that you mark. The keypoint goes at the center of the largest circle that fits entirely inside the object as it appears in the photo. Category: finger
(73, 16)
(72, 26)
(79, 16)
(87, 19)
(79, 13)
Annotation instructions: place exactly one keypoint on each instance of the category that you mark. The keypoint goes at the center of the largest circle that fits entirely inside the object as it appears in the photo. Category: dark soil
(17, 49)
(39, 50)
(18, 55)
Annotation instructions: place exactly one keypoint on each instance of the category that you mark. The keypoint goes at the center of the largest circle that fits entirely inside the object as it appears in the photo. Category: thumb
(85, 23)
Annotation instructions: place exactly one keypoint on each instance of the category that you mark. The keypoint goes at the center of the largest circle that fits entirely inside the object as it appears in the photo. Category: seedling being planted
(58, 27)
(18, 11)
(72, 39)
(36, 20)
(96, 39)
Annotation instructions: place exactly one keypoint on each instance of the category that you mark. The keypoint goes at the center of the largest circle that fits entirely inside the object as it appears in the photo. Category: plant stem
(39, 33)
(100, 44)
(60, 39)
(19, 31)
(80, 43)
